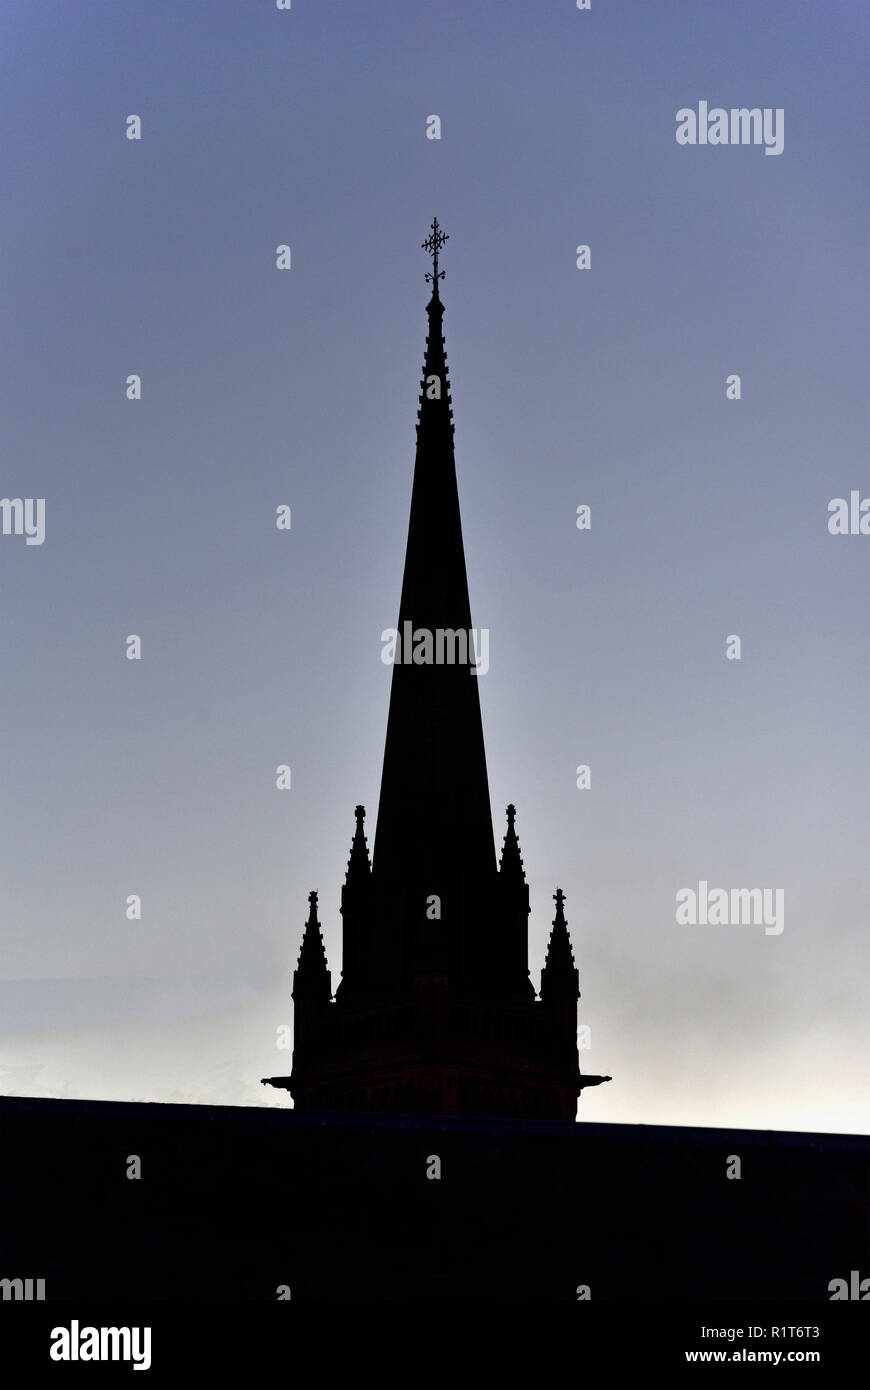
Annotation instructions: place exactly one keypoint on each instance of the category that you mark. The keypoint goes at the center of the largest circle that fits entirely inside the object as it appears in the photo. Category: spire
(435, 1012)
(358, 867)
(559, 977)
(434, 827)
(311, 978)
(511, 865)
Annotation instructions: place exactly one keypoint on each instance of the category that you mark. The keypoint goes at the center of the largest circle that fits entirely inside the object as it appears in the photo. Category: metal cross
(434, 241)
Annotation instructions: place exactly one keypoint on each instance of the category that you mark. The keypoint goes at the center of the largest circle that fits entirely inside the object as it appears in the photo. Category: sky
(603, 387)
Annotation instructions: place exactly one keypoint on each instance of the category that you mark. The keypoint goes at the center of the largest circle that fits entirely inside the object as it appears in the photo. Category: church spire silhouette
(434, 827)
(435, 1011)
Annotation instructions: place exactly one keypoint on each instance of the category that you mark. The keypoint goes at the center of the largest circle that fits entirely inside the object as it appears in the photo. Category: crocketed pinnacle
(311, 978)
(358, 866)
(511, 864)
(559, 975)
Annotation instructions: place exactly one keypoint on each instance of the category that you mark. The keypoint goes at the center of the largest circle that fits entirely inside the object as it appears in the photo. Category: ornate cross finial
(433, 243)
(559, 898)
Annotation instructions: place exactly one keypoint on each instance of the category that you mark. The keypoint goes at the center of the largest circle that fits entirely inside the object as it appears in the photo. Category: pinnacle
(559, 968)
(511, 864)
(358, 862)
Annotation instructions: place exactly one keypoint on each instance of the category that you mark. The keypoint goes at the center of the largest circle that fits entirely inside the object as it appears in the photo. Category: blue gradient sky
(262, 647)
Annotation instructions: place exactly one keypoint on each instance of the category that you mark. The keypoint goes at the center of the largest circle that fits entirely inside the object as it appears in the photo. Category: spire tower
(434, 827)
(435, 1012)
